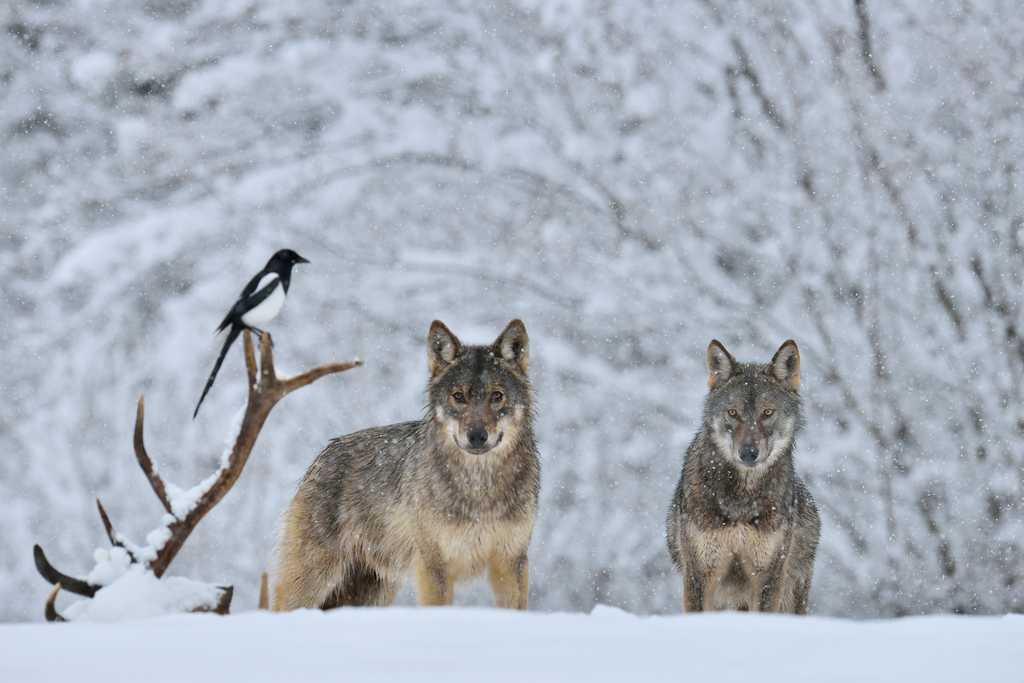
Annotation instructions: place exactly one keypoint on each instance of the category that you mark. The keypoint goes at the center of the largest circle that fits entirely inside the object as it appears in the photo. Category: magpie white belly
(266, 310)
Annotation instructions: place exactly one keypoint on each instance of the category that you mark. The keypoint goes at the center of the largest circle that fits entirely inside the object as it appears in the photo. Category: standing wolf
(742, 527)
(448, 496)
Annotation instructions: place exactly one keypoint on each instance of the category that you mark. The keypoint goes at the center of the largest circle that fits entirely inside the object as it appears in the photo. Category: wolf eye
(733, 412)
(497, 396)
(459, 397)
(768, 412)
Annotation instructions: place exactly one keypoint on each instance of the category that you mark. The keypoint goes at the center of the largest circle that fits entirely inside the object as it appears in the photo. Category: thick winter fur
(742, 528)
(446, 497)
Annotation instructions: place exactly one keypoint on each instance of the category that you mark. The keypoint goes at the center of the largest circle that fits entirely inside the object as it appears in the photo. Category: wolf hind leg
(307, 569)
(361, 587)
(302, 585)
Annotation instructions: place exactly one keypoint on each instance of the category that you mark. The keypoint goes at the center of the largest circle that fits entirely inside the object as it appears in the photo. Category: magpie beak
(259, 303)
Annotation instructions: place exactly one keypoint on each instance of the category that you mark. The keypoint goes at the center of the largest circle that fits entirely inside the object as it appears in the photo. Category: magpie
(258, 304)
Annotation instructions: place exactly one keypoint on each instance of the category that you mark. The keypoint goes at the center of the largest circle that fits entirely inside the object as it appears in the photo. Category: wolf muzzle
(478, 441)
(477, 437)
(748, 454)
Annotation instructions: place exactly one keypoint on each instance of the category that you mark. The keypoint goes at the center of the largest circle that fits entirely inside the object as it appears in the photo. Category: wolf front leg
(697, 585)
(434, 583)
(769, 597)
(801, 591)
(510, 580)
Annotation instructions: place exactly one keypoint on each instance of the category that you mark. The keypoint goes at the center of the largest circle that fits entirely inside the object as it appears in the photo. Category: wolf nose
(477, 437)
(748, 454)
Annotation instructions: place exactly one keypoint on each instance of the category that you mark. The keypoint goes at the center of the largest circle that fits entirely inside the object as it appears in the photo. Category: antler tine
(144, 460)
(310, 376)
(50, 612)
(109, 528)
(224, 604)
(268, 375)
(264, 602)
(48, 572)
(250, 360)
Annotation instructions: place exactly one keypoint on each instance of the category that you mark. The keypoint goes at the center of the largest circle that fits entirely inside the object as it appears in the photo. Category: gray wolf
(742, 528)
(445, 497)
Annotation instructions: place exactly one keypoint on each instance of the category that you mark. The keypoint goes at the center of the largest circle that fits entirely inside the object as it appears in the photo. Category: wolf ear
(720, 364)
(442, 347)
(513, 345)
(786, 365)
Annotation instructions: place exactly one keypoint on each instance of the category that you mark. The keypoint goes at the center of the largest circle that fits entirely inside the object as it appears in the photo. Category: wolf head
(479, 395)
(752, 411)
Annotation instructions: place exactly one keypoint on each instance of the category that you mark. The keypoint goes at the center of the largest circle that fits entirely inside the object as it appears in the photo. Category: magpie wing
(248, 290)
(261, 294)
(245, 299)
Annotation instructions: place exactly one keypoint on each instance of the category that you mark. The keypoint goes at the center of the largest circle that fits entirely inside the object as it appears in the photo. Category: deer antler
(264, 393)
(111, 534)
(144, 460)
(48, 572)
(265, 390)
(264, 600)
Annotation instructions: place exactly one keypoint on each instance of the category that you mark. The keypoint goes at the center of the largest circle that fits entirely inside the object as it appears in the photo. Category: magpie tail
(232, 336)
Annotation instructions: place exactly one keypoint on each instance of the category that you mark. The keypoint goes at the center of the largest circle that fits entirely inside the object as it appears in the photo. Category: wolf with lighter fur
(446, 497)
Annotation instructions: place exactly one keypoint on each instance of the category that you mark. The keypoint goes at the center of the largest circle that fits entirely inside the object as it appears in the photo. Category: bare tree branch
(864, 36)
(747, 71)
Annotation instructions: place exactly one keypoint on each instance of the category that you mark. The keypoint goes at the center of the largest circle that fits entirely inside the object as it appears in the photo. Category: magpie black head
(283, 260)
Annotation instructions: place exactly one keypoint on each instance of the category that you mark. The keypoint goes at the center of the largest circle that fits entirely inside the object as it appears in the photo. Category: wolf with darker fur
(446, 497)
(742, 527)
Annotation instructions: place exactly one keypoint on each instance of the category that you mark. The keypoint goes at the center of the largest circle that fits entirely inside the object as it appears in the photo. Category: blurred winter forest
(632, 179)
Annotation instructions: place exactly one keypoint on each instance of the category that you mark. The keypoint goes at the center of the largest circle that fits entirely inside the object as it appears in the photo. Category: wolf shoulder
(675, 522)
(807, 515)
(386, 447)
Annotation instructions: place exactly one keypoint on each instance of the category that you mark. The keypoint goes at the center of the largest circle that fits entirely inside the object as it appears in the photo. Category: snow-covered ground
(480, 644)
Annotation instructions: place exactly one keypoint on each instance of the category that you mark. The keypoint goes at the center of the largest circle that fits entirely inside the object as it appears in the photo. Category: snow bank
(137, 593)
(131, 591)
(475, 644)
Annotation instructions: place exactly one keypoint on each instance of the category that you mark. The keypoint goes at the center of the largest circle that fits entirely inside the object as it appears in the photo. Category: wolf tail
(232, 336)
